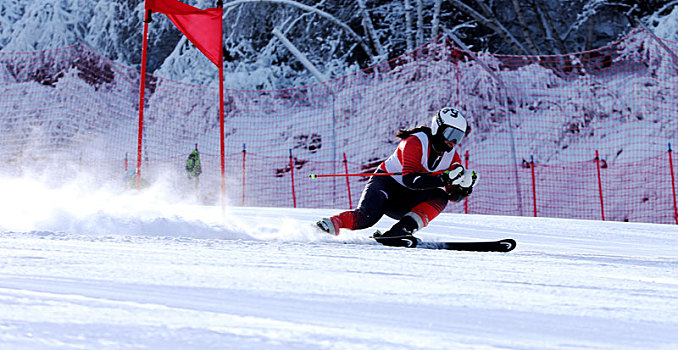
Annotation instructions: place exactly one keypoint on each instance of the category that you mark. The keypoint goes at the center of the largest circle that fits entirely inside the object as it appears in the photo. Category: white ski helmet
(449, 124)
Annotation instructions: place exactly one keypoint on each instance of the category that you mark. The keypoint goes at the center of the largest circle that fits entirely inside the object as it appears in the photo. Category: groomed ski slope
(74, 275)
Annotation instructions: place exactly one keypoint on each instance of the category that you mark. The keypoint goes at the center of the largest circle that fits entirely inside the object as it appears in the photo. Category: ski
(503, 245)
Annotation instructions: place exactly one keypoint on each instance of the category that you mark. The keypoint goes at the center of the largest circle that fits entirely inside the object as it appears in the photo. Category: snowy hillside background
(557, 110)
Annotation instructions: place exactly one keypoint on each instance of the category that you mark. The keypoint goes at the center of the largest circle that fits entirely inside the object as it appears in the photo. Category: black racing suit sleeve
(422, 181)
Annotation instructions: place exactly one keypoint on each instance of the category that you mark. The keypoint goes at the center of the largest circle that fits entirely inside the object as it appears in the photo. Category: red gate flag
(202, 27)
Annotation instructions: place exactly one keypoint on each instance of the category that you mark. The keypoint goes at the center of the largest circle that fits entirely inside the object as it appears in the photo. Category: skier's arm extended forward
(414, 174)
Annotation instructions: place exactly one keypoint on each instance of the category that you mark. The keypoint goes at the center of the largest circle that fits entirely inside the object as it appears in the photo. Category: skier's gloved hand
(454, 176)
(463, 188)
(468, 179)
(455, 193)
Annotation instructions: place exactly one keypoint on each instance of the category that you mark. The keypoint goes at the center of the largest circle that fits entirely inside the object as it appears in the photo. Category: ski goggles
(453, 134)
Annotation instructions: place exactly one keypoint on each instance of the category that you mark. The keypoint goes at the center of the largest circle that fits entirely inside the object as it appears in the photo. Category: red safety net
(538, 123)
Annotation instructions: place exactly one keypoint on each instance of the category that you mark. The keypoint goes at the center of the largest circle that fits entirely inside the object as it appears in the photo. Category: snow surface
(83, 267)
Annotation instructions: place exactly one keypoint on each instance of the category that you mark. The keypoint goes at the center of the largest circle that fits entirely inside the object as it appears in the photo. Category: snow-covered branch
(312, 9)
(591, 8)
(496, 26)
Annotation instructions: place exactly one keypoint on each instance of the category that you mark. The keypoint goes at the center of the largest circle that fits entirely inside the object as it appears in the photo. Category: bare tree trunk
(589, 36)
(436, 19)
(486, 10)
(300, 56)
(523, 25)
(420, 23)
(408, 25)
(552, 38)
(493, 24)
(369, 30)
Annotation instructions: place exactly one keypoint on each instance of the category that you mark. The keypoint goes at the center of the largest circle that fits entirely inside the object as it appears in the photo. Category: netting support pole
(244, 156)
(142, 89)
(534, 187)
(197, 184)
(334, 149)
(466, 166)
(514, 152)
(673, 187)
(222, 136)
(20, 164)
(505, 91)
(600, 187)
(321, 78)
(294, 195)
(348, 184)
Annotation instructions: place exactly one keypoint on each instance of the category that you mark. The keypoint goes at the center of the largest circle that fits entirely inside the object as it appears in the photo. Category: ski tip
(509, 244)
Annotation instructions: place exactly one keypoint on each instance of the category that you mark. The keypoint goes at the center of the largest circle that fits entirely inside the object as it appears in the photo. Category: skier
(428, 173)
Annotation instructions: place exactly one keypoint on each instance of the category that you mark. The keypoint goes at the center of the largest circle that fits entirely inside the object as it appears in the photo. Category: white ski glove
(464, 186)
(468, 179)
(454, 176)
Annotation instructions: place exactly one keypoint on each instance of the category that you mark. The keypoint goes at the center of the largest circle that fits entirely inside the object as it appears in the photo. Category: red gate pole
(244, 154)
(600, 187)
(348, 184)
(466, 167)
(534, 187)
(673, 186)
(222, 134)
(142, 88)
(294, 196)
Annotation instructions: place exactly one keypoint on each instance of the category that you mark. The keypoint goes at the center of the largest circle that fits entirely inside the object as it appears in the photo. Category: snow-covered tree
(45, 24)
(337, 36)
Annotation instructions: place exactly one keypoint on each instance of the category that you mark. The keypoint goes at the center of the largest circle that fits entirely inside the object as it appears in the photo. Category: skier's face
(450, 144)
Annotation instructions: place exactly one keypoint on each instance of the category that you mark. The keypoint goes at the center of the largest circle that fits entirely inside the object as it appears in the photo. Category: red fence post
(600, 187)
(348, 184)
(294, 196)
(534, 187)
(466, 166)
(673, 186)
(244, 153)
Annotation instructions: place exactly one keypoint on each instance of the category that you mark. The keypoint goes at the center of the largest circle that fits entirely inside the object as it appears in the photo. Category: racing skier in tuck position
(427, 173)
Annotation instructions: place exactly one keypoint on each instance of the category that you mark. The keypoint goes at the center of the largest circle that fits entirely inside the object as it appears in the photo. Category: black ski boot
(400, 234)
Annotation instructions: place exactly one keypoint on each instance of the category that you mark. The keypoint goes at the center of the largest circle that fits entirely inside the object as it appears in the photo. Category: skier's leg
(371, 207)
(428, 204)
(428, 210)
